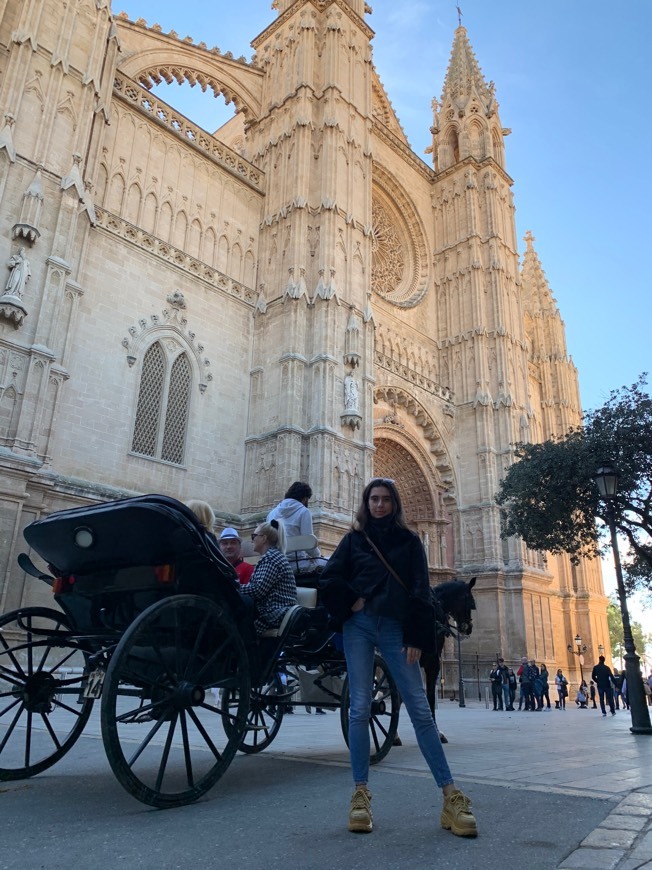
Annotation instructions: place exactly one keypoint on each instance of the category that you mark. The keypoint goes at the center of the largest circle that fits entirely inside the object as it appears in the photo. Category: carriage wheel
(42, 673)
(264, 717)
(162, 720)
(385, 704)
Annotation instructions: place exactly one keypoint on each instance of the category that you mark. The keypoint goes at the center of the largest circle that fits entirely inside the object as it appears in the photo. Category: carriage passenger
(297, 520)
(204, 513)
(377, 583)
(272, 587)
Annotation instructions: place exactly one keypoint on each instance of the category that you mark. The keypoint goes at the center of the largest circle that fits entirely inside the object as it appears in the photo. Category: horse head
(455, 599)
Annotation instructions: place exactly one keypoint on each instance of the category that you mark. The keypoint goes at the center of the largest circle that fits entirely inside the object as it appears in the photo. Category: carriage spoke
(66, 707)
(186, 749)
(50, 729)
(11, 677)
(145, 743)
(198, 639)
(30, 648)
(12, 657)
(13, 724)
(28, 738)
(211, 660)
(60, 662)
(159, 653)
(204, 734)
(136, 711)
(374, 735)
(166, 752)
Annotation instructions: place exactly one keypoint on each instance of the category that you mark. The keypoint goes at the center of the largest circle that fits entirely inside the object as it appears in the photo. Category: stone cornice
(320, 6)
(483, 240)
(487, 163)
(135, 96)
(124, 23)
(403, 150)
(482, 331)
(414, 378)
(120, 228)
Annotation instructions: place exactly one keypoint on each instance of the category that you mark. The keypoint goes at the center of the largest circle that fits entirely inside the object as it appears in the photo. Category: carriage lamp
(600, 649)
(84, 537)
(606, 479)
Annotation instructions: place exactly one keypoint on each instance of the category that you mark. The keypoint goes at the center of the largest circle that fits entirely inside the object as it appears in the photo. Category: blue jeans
(363, 632)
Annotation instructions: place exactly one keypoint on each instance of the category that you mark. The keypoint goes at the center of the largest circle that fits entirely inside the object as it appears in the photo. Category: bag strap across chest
(385, 562)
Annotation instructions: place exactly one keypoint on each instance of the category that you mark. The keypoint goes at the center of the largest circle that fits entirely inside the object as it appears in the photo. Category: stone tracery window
(398, 247)
(163, 402)
(388, 255)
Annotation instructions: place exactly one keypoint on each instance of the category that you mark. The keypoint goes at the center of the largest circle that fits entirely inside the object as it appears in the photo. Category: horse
(453, 599)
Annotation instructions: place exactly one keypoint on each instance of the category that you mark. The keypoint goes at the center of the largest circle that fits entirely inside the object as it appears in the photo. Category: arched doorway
(422, 502)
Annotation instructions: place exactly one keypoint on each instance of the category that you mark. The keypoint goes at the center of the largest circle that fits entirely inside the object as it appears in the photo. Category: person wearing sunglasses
(272, 587)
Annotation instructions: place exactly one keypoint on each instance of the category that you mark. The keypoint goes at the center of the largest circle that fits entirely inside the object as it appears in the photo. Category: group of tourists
(376, 588)
(531, 680)
(533, 684)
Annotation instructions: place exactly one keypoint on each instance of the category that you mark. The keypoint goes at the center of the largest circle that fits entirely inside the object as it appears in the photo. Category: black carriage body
(113, 560)
(153, 623)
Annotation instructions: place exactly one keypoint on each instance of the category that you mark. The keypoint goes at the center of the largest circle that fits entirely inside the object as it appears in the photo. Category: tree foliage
(550, 498)
(615, 624)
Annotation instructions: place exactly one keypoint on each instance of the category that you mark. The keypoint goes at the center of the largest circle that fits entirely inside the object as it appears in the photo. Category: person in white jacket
(297, 520)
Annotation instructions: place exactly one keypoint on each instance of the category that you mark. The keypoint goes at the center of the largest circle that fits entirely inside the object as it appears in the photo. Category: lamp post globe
(606, 478)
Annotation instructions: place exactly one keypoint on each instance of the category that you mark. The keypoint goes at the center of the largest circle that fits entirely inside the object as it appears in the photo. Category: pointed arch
(194, 239)
(132, 209)
(150, 209)
(163, 402)
(116, 193)
(180, 230)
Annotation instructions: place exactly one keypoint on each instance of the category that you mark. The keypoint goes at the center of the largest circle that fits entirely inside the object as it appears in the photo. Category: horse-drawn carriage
(152, 626)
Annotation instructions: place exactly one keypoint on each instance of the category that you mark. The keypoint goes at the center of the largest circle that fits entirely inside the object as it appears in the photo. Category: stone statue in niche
(351, 393)
(19, 274)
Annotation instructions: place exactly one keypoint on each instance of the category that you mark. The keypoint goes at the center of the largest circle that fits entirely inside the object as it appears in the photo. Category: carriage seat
(296, 548)
(307, 597)
(292, 614)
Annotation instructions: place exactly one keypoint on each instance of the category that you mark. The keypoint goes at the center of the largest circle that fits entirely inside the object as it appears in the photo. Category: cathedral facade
(296, 297)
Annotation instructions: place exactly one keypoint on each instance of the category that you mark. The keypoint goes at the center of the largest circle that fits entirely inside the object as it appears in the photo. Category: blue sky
(572, 84)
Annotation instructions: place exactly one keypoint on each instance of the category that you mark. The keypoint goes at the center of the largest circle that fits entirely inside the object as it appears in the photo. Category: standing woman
(545, 676)
(272, 586)
(377, 586)
(562, 688)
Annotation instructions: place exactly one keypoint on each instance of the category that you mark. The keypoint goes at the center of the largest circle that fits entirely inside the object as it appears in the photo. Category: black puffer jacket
(355, 571)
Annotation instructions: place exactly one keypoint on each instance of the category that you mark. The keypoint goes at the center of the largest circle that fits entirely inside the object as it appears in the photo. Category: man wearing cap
(231, 546)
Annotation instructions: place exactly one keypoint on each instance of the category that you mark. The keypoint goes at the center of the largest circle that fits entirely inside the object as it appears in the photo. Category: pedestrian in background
(496, 678)
(527, 690)
(618, 688)
(513, 685)
(604, 681)
(545, 693)
(504, 676)
(592, 695)
(535, 676)
(561, 684)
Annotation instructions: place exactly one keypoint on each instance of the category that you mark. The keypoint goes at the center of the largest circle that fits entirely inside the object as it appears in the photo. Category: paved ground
(550, 790)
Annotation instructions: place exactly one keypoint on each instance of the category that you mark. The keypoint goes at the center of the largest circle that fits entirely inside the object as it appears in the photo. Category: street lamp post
(606, 479)
(580, 652)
